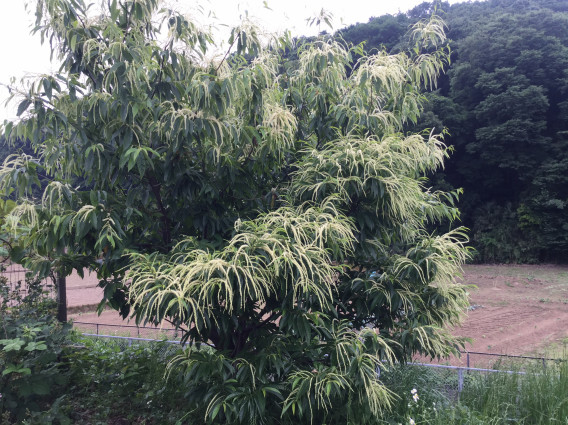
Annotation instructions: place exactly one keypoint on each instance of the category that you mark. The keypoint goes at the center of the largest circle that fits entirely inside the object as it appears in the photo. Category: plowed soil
(517, 310)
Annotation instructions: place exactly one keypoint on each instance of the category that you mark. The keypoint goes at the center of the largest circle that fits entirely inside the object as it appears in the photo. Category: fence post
(460, 381)
(97, 328)
(468, 360)
(543, 363)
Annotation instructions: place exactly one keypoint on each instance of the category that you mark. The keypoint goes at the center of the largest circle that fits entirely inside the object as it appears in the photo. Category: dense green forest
(504, 101)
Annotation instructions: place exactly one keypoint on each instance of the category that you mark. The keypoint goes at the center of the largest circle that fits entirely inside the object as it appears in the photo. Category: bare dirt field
(517, 309)
(514, 309)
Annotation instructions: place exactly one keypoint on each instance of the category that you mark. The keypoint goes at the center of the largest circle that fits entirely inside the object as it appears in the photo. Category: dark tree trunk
(61, 287)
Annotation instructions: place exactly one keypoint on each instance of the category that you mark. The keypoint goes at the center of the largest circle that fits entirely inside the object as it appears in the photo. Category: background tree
(272, 210)
(504, 102)
(512, 85)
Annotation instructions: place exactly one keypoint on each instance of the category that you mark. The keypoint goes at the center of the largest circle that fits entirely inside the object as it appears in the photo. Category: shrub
(110, 381)
(31, 347)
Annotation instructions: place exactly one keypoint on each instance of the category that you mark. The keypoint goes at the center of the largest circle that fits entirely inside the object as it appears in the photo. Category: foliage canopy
(273, 209)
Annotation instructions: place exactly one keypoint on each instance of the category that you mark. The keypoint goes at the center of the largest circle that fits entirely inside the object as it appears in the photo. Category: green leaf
(11, 368)
(134, 152)
(40, 388)
(36, 346)
(73, 42)
(113, 10)
(215, 411)
(8, 129)
(12, 344)
(135, 108)
(23, 106)
(47, 87)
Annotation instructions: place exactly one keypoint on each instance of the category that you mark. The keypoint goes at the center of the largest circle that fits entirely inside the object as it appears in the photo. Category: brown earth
(514, 309)
(517, 309)
(83, 293)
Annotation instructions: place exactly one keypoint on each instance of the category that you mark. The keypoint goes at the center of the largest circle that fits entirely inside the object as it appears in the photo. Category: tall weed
(538, 397)
(532, 396)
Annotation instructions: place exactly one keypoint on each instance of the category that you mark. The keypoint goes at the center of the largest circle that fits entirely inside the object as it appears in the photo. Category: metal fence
(494, 360)
(18, 279)
(165, 348)
(129, 331)
(454, 379)
(474, 360)
(482, 360)
(451, 380)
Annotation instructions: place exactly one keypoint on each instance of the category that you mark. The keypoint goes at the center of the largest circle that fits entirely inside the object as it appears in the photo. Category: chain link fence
(499, 361)
(129, 331)
(165, 348)
(18, 279)
(482, 360)
(451, 381)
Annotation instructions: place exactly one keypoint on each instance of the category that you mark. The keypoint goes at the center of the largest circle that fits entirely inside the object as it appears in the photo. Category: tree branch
(156, 187)
(226, 54)
(7, 243)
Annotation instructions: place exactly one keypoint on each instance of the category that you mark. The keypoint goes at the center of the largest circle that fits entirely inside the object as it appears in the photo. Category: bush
(124, 384)
(31, 345)
(503, 234)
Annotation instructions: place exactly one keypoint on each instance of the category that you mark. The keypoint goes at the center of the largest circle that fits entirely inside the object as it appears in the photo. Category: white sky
(23, 54)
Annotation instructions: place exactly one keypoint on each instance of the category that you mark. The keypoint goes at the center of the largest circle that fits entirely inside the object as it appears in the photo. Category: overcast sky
(23, 54)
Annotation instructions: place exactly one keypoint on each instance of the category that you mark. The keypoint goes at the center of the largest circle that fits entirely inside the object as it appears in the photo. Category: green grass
(538, 397)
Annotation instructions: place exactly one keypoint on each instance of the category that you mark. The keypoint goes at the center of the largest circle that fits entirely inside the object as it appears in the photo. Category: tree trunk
(61, 287)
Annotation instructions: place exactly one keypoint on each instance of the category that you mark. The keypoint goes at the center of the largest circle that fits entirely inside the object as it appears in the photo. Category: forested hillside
(504, 101)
